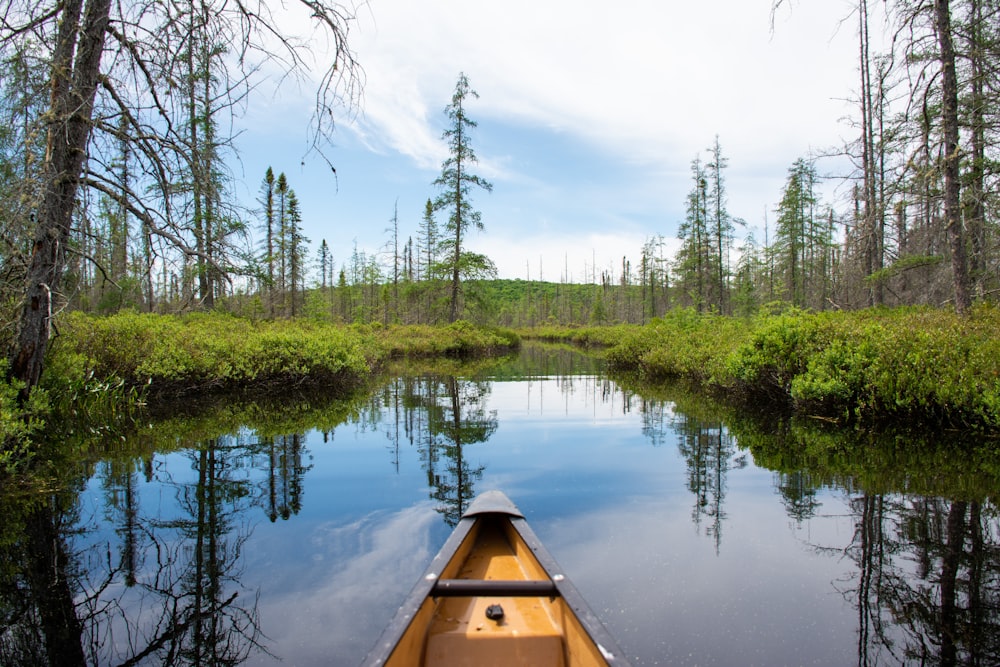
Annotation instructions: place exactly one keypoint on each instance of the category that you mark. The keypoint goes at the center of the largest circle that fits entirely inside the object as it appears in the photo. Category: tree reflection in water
(171, 597)
(37, 607)
(285, 473)
(926, 578)
(443, 415)
(925, 575)
(927, 583)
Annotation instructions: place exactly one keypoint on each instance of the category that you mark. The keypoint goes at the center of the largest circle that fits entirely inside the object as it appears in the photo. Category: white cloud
(641, 78)
(633, 90)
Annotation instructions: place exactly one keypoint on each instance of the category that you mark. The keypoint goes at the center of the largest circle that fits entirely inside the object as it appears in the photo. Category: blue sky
(589, 117)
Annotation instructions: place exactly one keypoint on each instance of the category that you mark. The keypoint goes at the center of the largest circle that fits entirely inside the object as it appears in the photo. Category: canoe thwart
(518, 588)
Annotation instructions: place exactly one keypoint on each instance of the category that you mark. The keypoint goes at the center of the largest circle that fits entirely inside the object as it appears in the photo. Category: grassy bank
(866, 366)
(167, 354)
(102, 368)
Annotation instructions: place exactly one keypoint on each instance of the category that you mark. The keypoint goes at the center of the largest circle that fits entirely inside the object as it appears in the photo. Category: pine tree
(427, 242)
(267, 203)
(795, 220)
(721, 226)
(297, 245)
(455, 183)
(326, 272)
(693, 260)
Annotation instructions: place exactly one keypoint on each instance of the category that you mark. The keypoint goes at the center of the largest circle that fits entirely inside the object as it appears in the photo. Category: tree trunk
(456, 260)
(950, 168)
(975, 185)
(870, 233)
(73, 86)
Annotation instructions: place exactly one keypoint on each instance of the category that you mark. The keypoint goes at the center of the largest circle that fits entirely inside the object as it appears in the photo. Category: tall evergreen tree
(456, 181)
(323, 256)
(721, 225)
(282, 231)
(795, 220)
(693, 261)
(427, 242)
(325, 260)
(297, 244)
(267, 209)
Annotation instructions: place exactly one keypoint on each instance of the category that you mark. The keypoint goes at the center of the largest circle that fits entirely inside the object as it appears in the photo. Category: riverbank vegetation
(105, 368)
(870, 366)
(167, 355)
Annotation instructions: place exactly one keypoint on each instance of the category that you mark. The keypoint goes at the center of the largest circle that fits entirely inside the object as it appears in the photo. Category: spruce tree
(721, 225)
(267, 209)
(693, 258)
(456, 182)
(297, 245)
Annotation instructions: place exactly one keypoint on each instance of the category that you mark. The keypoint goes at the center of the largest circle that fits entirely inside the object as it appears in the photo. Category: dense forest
(116, 190)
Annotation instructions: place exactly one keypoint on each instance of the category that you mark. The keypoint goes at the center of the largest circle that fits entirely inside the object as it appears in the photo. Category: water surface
(699, 535)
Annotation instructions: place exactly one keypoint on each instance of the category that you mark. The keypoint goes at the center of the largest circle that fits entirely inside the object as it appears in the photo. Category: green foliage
(777, 351)
(458, 339)
(870, 366)
(684, 343)
(18, 424)
(205, 351)
(902, 265)
(873, 365)
(108, 359)
(909, 364)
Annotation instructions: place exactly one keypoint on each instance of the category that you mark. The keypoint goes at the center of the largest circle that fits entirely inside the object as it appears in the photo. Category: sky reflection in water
(682, 545)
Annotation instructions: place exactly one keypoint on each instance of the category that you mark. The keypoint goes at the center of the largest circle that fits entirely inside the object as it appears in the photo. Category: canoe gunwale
(493, 505)
(590, 622)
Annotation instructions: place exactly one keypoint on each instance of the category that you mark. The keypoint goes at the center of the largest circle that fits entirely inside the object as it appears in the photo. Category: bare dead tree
(111, 79)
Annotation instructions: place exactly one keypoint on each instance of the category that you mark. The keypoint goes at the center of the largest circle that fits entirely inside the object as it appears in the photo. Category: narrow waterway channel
(260, 535)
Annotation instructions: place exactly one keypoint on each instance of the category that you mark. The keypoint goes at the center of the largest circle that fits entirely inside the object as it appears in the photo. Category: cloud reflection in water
(354, 577)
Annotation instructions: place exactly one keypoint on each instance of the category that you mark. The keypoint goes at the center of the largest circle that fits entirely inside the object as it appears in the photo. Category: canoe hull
(494, 596)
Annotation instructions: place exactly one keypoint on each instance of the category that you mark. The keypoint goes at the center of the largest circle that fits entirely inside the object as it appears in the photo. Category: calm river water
(262, 535)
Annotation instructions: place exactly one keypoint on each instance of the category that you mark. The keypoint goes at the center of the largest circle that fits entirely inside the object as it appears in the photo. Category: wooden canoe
(494, 596)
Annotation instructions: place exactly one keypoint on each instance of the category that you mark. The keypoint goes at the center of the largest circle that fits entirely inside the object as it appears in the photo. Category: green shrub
(18, 424)
(684, 344)
(206, 350)
(458, 339)
(868, 365)
(897, 364)
(777, 351)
